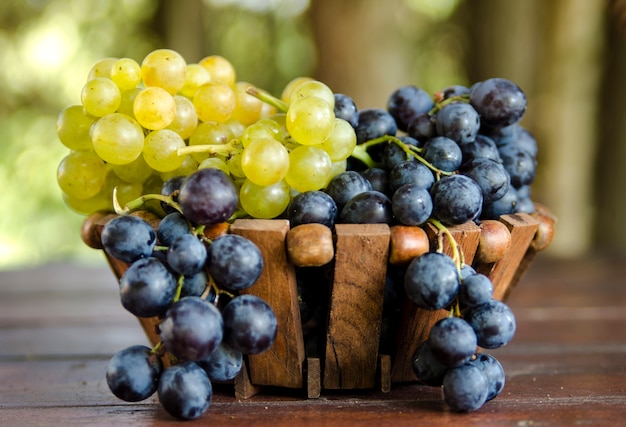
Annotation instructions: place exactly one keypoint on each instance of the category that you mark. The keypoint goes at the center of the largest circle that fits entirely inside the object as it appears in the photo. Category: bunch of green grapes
(141, 124)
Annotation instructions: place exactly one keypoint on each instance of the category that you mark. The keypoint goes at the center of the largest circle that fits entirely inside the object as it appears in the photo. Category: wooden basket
(352, 359)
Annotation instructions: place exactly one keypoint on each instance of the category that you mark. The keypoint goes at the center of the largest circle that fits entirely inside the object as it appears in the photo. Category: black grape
(208, 196)
(133, 373)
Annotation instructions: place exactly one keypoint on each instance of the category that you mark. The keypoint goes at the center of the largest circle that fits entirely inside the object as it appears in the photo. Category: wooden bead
(494, 243)
(214, 231)
(545, 231)
(310, 245)
(90, 229)
(407, 242)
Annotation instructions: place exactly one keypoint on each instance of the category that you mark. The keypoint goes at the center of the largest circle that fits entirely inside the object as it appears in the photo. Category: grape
(505, 205)
(185, 391)
(312, 207)
(431, 281)
(154, 108)
(527, 142)
(378, 179)
(374, 123)
(220, 69)
(208, 196)
(102, 68)
(147, 288)
(459, 122)
(187, 255)
(128, 238)
(260, 130)
(264, 202)
(346, 109)
(164, 68)
(265, 161)
(475, 289)
(136, 171)
(499, 102)
(341, 141)
(310, 120)
(465, 388)
(422, 127)
(223, 364)
(133, 373)
(406, 103)
(369, 207)
(452, 341)
(117, 138)
(81, 174)
(214, 101)
(192, 329)
(493, 322)
(211, 133)
(127, 101)
(443, 153)
(482, 146)
(453, 91)
(214, 162)
(195, 76)
(520, 165)
(313, 88)
(456, 199)
(494, 372)
(345, 186)
(126, 73)
(411, 205)
(194, 285)
(248, 108)
(100, 96)
(250, 325)
(491, 177)
(171, 188)
(235, 263)
(411, 172)
(309, 168)
(160, 150)
(73, 125)
(393, 154)
(427, 368)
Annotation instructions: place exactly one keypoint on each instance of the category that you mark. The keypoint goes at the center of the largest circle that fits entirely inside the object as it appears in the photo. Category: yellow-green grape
(185, 117)
(117, 138)
(160, 150)
(267, 110)
(136, 171)
(100, 96)
(220, 69)
(73, 126)
(234, 166)
(189, 166)
(313, 88)
(215, 163)
(260, 130)
(341, 141)
(265, 161)
(124, 191)
(126, 73)
(310, 120)
(99, 202)
(154, 108)
(214, 101)
(102, 68)
(336, 168)
(127, 102)
(309, 169)
(264, 201)
(81, 174)
(291, 86)
(236, 127)
(248, 108)
(164, 68)
(210, 133)
(195, 77)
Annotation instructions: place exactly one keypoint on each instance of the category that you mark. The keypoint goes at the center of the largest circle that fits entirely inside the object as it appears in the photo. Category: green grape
(102, 68)
(154, 108)
(117, 138)
(291, 87)
(124, 191)
(136, 171)
(341, 141)
(248, 108)
(216, 163)
(264, 201)
(210, 133)
(310, 120)
(220, 69)
(237, 128)
(100, 96)
(189, 166)
(126, 73)
(99, 202)
(73, 126)
(81, 174)
(313, 88)
(127, 102)
(164, 68)
(234, 166)
(309, 169)
(185, 118)
(336, 168)
(260, 130)
(160, 150)
(214, 101)
(265, 161)
(195, 77)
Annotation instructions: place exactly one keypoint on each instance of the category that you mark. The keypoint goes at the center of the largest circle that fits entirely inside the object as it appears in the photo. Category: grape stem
(457, 255)
(279, 104)
(231, 147)
(140, 201)
(439, 105)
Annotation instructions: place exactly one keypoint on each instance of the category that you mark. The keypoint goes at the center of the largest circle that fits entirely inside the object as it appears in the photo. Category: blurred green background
(568, 55)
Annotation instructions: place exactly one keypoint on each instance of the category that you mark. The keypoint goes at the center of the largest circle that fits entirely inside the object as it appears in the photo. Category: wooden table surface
(59, 325)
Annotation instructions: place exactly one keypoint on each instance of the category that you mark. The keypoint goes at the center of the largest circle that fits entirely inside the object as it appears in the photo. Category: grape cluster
(209, 149)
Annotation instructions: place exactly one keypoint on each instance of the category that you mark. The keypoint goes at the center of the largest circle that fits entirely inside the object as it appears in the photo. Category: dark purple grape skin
(187, 255)
(223, 364)
(394, 154)
(133, 373)
(452, 341)
(378, 179)
(426, 367)
(345, 186)
(147, 288)
(171, 188)
(370, 207)
(346, 109)
(208, 196)
(185, 391)
(128, 238)
(312, 207)
(475, 289)
(491, 177)
(235, 263)
(411, 205)
(431, 281)
(407, 102)
(457, 199)
(494, 372)
(443, 153)
(520, 165)
(499, 102)
(422, 127)
(505, 205)
(458, 121)
(493, 322)
(411, 172)
(170, 227)
(374, 123)
(481, 147)
(453, 91)
(465, 388)
(192, 329)
(250, 324)
(194, 285)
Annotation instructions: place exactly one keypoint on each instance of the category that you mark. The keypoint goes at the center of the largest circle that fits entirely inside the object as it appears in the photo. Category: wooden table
(59, 325)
